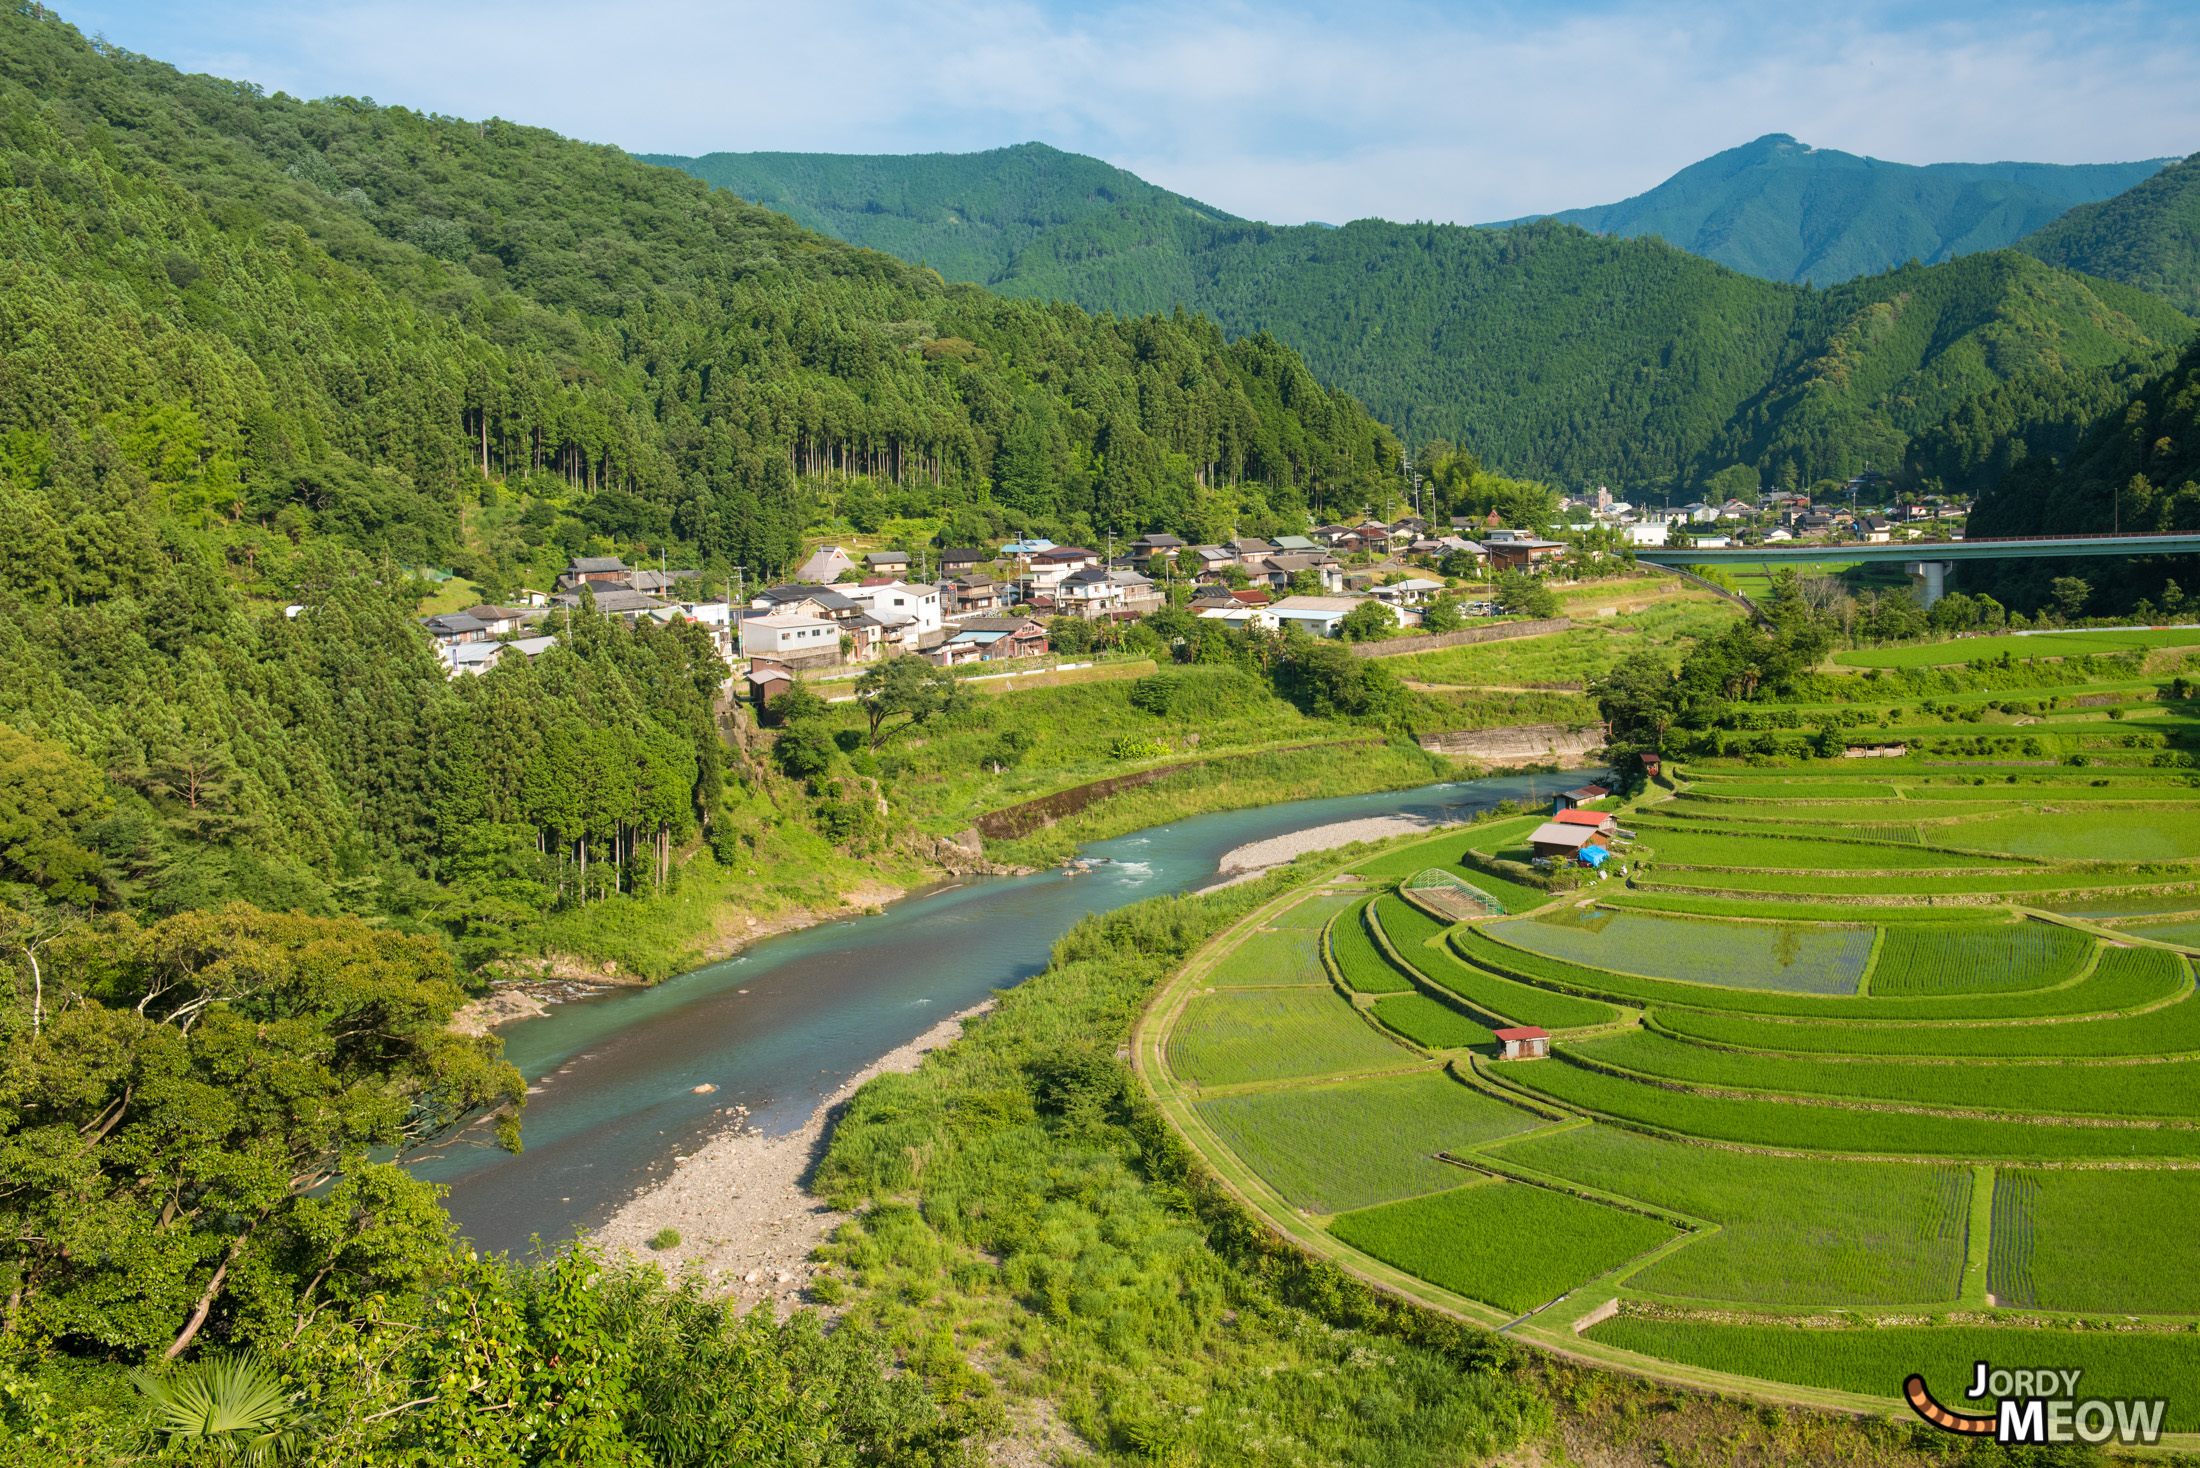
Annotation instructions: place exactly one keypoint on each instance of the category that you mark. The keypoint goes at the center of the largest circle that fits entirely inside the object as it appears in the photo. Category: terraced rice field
(1508, 1244)
(2120, 1241)
(1793, 959)
(1366, 969)
(1793, 1231)
(1966, 960)
(2167, 1089)
(1731, 848)
(1398, 1124)
(1315, 911)
(1797, 912)
(1292, 957)
(1842, 1129)
(2087, 835)
(1504, 999)
(1875, 1360)
(1232, 1038)
(1429, 1022)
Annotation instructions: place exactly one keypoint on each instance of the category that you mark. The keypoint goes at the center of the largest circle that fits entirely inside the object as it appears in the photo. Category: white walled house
(789, 635)
(909, 613)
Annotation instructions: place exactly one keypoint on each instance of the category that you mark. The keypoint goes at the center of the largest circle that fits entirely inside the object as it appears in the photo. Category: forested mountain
(1554, 353)
(2147, 236)
(1786, 211)
(966, 215)
(257, 352)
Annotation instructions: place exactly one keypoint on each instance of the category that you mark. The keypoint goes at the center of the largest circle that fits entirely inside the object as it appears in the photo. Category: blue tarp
(1594, 856)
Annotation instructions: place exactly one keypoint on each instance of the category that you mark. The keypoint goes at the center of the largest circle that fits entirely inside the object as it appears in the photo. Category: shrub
(665, 1238)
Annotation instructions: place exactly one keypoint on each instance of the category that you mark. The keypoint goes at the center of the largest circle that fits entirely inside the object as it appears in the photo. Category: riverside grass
(1365, 968)
(2115, 984)
(1804, 1232)
(1509, 1244)
(1270, 959)
(1875, 1360)
(2119, 1241)
(1915, 959)
(1790, 958)
(1431, 1023)
(1837, 1129)
(1350, 1144)
(2168, 1090)
(1235, 1037)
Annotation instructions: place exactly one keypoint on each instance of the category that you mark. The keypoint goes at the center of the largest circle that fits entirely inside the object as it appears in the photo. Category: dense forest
(1553, 353)
(1787, 211)
(2148, 236)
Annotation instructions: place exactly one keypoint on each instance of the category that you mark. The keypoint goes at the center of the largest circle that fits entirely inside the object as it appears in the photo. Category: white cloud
(1402, 111)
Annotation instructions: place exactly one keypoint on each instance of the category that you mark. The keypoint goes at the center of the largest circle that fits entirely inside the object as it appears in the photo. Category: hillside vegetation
(2147, 236)
(1787, 211)
(1546, 349)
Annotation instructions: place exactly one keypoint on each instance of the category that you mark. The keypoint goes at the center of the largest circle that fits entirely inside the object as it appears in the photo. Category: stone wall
(1518, 744)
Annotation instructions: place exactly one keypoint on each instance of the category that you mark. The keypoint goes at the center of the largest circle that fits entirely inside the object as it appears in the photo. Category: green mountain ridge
(1783, 210)
(2147, 236)
(1550, 351)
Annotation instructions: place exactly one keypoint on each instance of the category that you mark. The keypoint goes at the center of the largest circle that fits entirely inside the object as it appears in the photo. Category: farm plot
(1265, 959)
(1727, 848)
(1444, 851)
(1507, 999)
(1800, 912)
(1914, 959)
(1364, 967)
(1791, 959)
(2050, 645)
(2127, 834)
(2173, 1029)
(1875, 1360)
(2108, 1240)
(2123, 979)
(1229, 1039)
(1510, 1244)
(2016, 881)
(1351, 1144)
(1409, 929)
(2186, 933)
(1830, 1128)
(1315, 910)
(2169, 1090)
(1799, 790)
(1792, 1231)
(1426, 1021)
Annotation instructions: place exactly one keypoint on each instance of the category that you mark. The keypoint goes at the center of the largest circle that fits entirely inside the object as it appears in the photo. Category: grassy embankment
(1670, 623)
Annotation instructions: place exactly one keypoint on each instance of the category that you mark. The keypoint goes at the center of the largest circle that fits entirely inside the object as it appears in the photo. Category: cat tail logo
(2040, 1407)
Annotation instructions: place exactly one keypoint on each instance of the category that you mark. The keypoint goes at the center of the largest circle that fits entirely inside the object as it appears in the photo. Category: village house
(1323, 615)
(501, 621)
(1519, 551)
(1236, 615)
(825, 566)
(767, 679)
(992, 640)
(975, 592)
(792, 639)
(1296, 545)
(1573, 799)
(1283, 566)
(1410, 592)
(1249, 550)
(910, 615)
(962, 560)
(1050, 566)
(887, 563)
(456, 627)
(1146, 547)
(599, 571)
(1563, 840)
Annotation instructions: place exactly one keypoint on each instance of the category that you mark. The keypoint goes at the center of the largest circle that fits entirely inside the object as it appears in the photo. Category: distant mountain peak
(1786, 210)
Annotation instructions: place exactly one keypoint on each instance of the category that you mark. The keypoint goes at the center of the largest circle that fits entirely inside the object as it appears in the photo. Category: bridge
(1927, 558)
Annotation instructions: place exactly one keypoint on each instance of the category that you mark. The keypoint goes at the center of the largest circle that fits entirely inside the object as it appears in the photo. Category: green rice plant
(1830, 1128)
(1511, 1244)
(1968, 959)
(1265, 959)
(2109, 987)
(2076, 644)
(1429, 1022)
(1443, 851)
(2170, 1090)
(1796, 790)
(1875, 1360)
(2127, 833)
(1363, 966)
(2009, 1261)
(1726, 848)
(1349, 1144)
(1316, 910)
(2112, 1240)
(2186, 933)
(1651, 900)
(1790, 958)
(1508, 1000)
(1231, 1038)
(2015, 881)
(2125, 979)
(1792, 1230)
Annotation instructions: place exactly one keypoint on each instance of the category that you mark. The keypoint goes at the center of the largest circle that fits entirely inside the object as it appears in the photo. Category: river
(779, 1027)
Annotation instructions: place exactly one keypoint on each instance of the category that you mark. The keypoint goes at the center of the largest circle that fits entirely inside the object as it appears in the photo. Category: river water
(781, 1026)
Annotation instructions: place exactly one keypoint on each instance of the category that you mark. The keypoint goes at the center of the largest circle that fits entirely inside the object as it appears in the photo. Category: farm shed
(1583, 796)
(1601, 822)
(1525, 1043)
(1562, 838)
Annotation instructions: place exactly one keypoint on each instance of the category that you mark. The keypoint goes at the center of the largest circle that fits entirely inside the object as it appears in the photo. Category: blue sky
(1279, 111)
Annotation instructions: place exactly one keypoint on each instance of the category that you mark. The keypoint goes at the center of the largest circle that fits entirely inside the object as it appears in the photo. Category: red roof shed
(1585, 818)
(1524, 1043)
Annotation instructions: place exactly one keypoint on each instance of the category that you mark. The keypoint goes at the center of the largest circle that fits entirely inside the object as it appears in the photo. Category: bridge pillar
(1936, 577)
